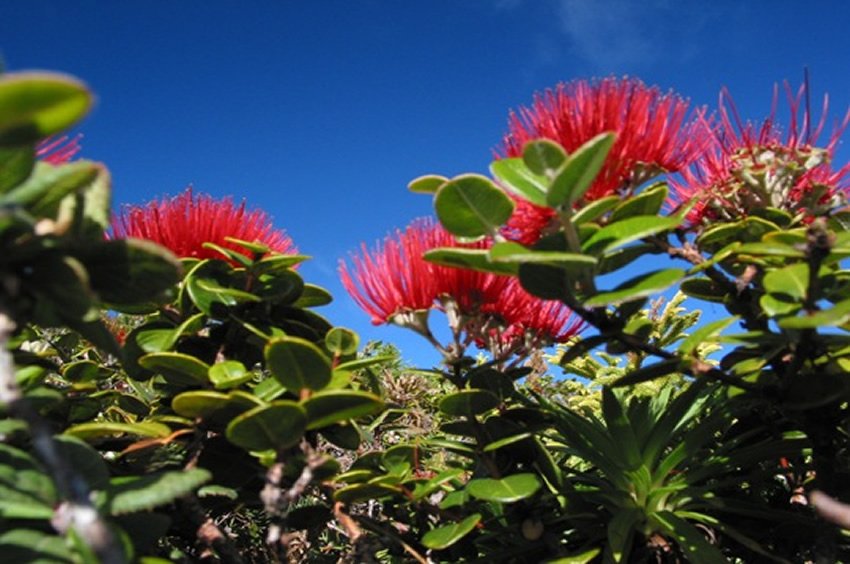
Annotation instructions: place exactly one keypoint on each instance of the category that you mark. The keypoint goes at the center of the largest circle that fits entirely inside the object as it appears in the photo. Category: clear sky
(320, 112)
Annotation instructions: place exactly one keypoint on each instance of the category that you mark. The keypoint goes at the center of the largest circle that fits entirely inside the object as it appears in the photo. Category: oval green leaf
(332, 406)
(447, 535)
(276, 426)
(468, 402)
(471, 206)
(297, 363)
(507, 490)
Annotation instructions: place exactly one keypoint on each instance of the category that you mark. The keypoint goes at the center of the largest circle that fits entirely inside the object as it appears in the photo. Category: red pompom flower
(654, 135)
(394, 284)
(184, 223)
(750, 166)
(58, 150)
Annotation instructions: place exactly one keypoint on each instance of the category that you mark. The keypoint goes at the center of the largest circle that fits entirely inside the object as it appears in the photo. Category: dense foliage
(169, 392)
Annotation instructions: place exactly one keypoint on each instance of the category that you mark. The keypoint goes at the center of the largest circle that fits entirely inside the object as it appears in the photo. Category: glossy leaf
(297, 363)
(177, 368)
(447, 535)
(636, 288)
(427, 184)
(506, 490)
(468, 402)
(35, 105)
(471, 206)
(595, 209)
(511, 252)
(229, 374)
(515, 176)
(623, 232)
(140, 493)
(342, 341)
(579, 170)
(473, 259)
(648, 202)
(103, 429)
(333, 406)
(276, 426)
(16, 164)
(543, 157)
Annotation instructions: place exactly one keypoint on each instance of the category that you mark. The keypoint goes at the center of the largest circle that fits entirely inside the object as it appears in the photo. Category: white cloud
(614, 33)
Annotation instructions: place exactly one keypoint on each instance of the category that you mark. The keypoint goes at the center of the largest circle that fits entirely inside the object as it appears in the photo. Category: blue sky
(320, 112)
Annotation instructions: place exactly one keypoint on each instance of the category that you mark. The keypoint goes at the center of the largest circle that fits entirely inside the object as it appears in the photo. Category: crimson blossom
(750, 166)
(654, 135)
(184, 223)
(394, 284)
(58, 150)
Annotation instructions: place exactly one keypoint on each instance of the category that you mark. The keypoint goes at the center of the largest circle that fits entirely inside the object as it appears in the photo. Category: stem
(76, 511)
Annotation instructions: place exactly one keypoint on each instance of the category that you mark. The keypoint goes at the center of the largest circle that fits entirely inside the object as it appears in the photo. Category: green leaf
(447, 535)
(770, 248)
(473, 259)
(229, 374)
(276, 426)
(621, 530)
(215, 408)
(543, 157)
(639, 287)
(507, 490)
(142, 493)
(648, 202)
(621, 430)
(835, 316)
(177, 368)
(792, 281)
(108, 429)
(332, 406)
(471, 206)
(342, 341)
(579, 170)
(35, 105)
(427, 184)
(595, 209)
(26, 491)
(16, 164)
(705, 334)
(511, 252)
(129, 272)
(35, 547)
(692, 542)
(313, 296)
(468, 402)
(297, 363)
(361, 363)
(48, 185)
(703, 289)
(623, 232)
(357, 493)
(515, 176)
(507, 441)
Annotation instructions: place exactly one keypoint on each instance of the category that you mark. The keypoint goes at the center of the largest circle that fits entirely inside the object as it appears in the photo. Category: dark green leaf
(648, 202)
(229, 374)
(623, 232)
(507, 490)
(473, 259)
(341, 341)
(638, 287)
(313, 296)
(333, 406)
(297, 363)
(141, 493)
(515, 176)
(510, 252)
(177, 368)
(276, 426)
(543, 157)
(579, 170)
(447, 535)
(16, 164)
(471, 206)
(468, 402)
(103, 429)
(595, 209)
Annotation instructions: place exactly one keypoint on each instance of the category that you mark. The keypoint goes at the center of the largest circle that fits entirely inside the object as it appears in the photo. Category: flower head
(654, 135)
(394, 284)
(58, 150)
(750, 166)
(184, 223)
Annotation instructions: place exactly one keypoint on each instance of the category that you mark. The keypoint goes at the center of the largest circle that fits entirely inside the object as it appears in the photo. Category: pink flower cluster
(751, 165)
(654, 134)
(392, 281)
(184, 223)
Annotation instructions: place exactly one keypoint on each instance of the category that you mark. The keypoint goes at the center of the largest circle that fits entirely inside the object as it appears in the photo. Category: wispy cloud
(611, 34)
